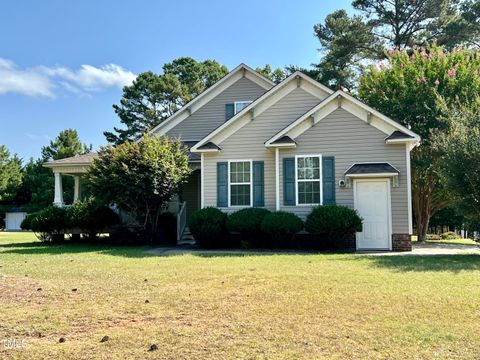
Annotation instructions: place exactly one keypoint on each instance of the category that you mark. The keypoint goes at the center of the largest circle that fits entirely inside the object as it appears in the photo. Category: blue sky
(63, 63)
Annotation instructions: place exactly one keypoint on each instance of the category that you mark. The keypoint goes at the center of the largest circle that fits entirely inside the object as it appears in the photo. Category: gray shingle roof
(209, 146)
(371, 168)
(398, 135)
(284, 140)
(85, 159)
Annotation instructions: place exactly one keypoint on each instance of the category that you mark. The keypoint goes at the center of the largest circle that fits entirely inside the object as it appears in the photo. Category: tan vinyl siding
(350, 140)
(212, 114)
(248, 143)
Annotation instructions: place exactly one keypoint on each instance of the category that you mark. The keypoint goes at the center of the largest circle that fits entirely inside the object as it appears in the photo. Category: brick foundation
(401, 242)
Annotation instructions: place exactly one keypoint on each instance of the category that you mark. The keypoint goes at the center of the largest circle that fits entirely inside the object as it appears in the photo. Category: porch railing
(181, 220)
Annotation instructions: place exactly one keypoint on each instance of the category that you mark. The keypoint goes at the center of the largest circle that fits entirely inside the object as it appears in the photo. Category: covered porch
(182, 204)
(75, 167)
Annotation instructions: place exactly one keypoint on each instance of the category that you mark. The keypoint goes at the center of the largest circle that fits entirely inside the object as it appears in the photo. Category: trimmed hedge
(48, 224)
(280, 227)
(248, 222)
(91, 217)
(208, 227)
(334, 223)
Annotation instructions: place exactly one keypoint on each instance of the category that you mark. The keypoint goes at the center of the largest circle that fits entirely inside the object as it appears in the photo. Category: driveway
(432, 249)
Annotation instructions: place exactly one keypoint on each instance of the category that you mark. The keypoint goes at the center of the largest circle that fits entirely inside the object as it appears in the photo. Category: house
(289, 147)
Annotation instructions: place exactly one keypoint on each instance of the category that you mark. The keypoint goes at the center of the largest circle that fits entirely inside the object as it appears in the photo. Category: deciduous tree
(140, 177)
(408, 88)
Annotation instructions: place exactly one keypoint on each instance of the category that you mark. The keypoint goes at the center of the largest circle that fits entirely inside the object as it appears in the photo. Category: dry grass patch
(235, 305)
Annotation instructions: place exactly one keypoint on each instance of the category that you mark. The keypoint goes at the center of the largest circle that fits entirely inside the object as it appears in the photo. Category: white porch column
(77, 188)
(277, 178)
(58, 200)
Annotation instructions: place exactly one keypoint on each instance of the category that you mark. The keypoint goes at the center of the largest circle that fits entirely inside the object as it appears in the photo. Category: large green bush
(208, 227)
(48, 224)
(248, 222)
(333, 222)
(91, 217)
(280, 227)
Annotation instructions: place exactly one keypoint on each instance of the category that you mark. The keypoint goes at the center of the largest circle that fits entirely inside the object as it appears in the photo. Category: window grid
(308, 179)
(240, 178)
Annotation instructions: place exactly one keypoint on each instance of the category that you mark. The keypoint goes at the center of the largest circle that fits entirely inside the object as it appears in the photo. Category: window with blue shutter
(258, 184)
(222, 184)
(229, 111)
(328, 174)
(289, 181)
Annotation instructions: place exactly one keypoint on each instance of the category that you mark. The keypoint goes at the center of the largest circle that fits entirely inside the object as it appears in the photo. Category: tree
(408, 89)
(10, 174)
(38, 186)
(66, 144)
(348, 43)
(140, 177)
(460, 156)
(277, 75)
(153, 97)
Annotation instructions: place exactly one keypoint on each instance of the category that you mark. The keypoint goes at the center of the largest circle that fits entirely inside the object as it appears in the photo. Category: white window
(308, 173)
(240, 105)
(240, 183)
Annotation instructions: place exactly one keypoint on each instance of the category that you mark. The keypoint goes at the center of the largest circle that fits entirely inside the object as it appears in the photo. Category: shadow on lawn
(42, 248)
(452, 263)
(417, 263)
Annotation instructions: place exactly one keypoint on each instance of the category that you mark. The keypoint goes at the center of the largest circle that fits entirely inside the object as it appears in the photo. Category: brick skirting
(401, 242)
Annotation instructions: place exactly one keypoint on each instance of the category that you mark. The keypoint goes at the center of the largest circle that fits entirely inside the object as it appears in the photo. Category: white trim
(277, 179)
(282, 146)
(287, 84)
(381, 122)
(389, 204)
(250, 183)
(320, 180)
(202, 181)
(200, 100)
(209, 150)
(400, 141)
(409, 190)
(235, 112)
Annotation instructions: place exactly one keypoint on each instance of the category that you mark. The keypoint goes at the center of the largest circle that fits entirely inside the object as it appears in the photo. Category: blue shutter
(289, 181)
(222, 184)
(258, 184)
(229, 111)
(328, 177)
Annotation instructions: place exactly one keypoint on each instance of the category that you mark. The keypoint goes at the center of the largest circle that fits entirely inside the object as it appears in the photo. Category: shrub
(433, 237)
(335, 223)
(248, 222)
(449, 235)
(280, 227)
(91, 217)
(208, 227)
(48, 224)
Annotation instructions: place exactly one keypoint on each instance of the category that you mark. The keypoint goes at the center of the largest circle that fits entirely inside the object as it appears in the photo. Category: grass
(214, 305)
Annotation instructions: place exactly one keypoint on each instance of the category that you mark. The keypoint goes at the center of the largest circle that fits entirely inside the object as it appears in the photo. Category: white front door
(372, 200)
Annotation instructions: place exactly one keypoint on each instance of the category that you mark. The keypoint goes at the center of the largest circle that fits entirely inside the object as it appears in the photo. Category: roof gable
(264, 102)
(337, 100)
(199, 101)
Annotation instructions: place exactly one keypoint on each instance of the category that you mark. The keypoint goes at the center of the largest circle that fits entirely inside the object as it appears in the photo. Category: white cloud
(44, 81)
(24, 81)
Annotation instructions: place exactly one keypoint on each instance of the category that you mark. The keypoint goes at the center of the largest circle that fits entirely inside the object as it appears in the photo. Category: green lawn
(214, 305)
